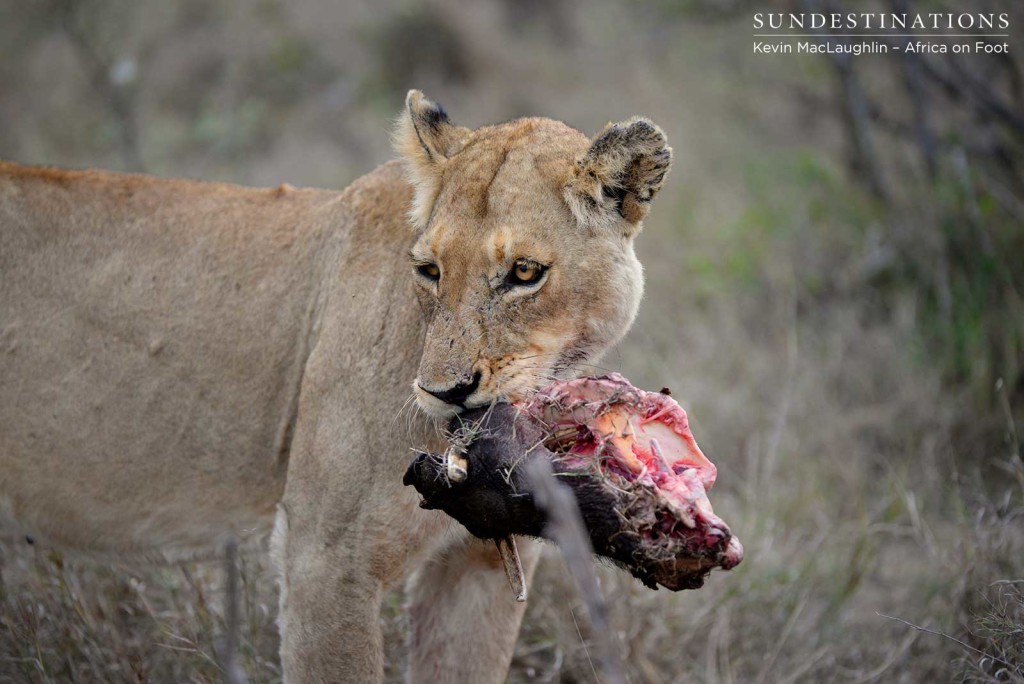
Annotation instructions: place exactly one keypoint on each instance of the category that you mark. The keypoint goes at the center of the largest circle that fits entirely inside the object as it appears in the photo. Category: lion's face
(524, 263)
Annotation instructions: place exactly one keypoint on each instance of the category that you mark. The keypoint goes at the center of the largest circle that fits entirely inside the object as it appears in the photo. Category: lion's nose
(457, 394)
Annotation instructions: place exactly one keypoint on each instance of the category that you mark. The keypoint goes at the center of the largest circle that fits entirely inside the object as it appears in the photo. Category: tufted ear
(619, 175)
(426, 139)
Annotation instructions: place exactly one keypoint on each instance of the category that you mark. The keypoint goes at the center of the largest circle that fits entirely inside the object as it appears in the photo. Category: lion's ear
(620, 174)
(426, 138)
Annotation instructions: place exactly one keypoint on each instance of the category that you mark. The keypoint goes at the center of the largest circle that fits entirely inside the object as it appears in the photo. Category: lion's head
(524, 261)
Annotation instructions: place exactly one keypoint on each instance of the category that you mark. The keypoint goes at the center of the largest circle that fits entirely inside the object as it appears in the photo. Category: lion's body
(183, 361)
(152, 331)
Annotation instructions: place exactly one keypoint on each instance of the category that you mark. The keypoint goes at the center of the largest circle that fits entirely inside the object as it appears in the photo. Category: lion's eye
(525, 272)
(429, 271)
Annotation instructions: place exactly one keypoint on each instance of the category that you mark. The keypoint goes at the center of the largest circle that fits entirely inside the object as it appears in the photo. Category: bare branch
(856, 109)
(98, 68)
(233, 672)
(951, 638)
(565, 526)
(912, 77)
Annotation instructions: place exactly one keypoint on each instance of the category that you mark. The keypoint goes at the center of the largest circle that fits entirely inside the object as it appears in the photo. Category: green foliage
(962, 255)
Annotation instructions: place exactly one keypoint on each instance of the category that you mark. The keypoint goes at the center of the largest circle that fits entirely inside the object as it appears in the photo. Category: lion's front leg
(329, 607)
(465, 619)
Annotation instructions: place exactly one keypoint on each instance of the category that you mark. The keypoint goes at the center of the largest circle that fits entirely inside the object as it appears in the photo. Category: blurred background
(835, 272)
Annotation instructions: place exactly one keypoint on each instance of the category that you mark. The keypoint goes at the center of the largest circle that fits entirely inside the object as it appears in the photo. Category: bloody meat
(628, 455)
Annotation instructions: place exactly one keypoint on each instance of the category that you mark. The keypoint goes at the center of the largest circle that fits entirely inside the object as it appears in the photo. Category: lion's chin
(435, 408)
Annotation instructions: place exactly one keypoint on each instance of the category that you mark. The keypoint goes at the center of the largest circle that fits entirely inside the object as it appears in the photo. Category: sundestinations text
(880, 20)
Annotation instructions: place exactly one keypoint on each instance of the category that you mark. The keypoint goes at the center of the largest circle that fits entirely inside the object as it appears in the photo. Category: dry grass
(73, 620)
(864, 478)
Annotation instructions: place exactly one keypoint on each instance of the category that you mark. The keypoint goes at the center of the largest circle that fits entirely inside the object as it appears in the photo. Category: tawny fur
(183, 361)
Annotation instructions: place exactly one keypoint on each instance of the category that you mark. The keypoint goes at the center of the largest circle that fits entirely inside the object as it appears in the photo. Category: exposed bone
(456, 465)
(513, 566)
(663, 464)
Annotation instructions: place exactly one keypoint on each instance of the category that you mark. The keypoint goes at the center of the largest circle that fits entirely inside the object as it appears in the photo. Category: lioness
(184, 361)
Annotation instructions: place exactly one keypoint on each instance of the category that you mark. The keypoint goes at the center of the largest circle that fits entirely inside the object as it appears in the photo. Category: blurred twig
(565, 526)
(1016, 461)
(856, 109)
(228, 653)
(947, 636)
(913, 77)
(99, 70)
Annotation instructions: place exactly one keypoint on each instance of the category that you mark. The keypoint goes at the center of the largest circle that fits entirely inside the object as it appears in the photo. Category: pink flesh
(645, 438)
